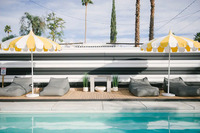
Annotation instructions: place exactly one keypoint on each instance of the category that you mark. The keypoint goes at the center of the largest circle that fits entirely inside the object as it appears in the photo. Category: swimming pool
(146, 122)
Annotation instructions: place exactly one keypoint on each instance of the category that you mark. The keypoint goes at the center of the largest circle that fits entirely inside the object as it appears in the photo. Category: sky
(180, 16)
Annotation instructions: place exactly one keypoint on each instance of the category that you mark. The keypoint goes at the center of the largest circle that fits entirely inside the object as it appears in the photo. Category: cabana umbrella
(171, 43)
(33, 43)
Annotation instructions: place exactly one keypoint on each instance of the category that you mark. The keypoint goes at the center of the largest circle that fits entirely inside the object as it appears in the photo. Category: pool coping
(54, 100)
(101, 106)
(136, 111)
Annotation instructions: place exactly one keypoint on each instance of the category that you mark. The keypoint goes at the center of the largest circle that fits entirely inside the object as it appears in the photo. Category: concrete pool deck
(77, 94)
(101, 106)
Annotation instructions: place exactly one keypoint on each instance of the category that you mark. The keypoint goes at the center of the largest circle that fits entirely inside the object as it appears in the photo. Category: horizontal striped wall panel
(103, 71)
(99, 56)
(74, 65)
(122, 78)
(98, 64)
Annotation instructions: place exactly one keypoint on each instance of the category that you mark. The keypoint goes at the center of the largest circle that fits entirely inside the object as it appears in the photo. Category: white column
(108, 83)
(91, 83)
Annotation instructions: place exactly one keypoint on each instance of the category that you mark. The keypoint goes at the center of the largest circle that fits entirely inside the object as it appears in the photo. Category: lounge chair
(56, 87)
(142, 88)
(179, 88)
(18, 87)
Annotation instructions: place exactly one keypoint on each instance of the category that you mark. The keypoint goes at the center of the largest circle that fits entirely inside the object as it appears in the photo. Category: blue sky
(186, 24)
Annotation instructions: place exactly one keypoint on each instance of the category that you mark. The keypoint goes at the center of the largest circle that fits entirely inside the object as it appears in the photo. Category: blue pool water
(100, 123)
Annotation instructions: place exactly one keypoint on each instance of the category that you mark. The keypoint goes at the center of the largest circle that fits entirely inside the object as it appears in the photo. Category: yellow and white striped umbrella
(31, 42)
(176, 43)
(171, 43)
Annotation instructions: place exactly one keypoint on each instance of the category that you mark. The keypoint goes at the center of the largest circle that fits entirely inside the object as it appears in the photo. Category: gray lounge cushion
(188, 91)
(142, 88)
(179, 88)
(18, 87)
(174, 84)
(56, 87)
(24, 82)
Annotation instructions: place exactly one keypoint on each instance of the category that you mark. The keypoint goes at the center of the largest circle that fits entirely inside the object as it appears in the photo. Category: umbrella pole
(32, 94)
(168, 85)
(168, 73)
(32, 70)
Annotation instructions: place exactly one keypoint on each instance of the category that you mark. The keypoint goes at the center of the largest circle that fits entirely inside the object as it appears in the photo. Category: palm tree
(151, 27)
(29, 21)
(137, 23)
(85, 3)
(7, 29)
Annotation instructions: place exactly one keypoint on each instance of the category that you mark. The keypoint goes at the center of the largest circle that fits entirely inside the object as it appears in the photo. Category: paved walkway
(100, 106)
(78, 94)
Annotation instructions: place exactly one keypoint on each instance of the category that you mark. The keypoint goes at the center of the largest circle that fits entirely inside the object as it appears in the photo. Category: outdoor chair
(142, 88)
(179, 88)
(56, 87)
(18, 87)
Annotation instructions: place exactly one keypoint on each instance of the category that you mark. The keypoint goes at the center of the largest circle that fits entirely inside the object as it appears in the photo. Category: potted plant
(85, 82)
(115, 83)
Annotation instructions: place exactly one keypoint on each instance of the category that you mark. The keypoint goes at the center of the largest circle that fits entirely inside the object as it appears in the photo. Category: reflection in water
(180, 125)
(100, 122)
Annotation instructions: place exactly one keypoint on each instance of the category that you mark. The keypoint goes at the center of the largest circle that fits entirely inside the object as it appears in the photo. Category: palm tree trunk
(151, 27)
(137, 24)
(53, 37)
(85, 21)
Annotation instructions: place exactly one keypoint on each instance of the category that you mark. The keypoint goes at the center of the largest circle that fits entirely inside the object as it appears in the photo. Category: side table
(92, 81)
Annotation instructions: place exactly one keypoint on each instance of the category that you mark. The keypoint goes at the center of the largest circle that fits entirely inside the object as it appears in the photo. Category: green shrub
(115, 81)
(8, 37)
(85, 80)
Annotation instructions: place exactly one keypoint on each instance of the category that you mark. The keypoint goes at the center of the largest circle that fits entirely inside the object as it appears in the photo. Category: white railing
(99, 45)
